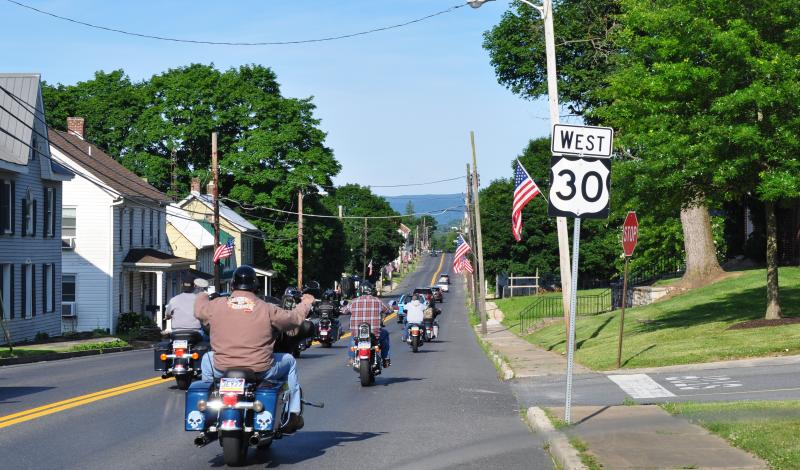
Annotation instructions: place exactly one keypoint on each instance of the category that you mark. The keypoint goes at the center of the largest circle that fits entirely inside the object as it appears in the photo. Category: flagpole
(541, 193)
(479, 242)
(215, 195)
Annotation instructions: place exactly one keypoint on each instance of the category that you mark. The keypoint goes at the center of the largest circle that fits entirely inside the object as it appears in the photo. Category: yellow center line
(51, 408)
(438, 270)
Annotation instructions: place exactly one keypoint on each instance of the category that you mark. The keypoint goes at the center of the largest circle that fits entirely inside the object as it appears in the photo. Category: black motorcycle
(367, 361)
(181, 356)
(328, 327)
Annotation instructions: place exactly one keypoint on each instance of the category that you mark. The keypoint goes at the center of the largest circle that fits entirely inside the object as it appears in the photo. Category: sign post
(580, 187)
(630, 236)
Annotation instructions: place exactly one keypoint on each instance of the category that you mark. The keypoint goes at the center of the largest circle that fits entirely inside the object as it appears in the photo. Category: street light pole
(546, 12)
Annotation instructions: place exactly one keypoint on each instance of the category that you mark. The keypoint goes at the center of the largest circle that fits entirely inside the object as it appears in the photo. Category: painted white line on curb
(640, 386)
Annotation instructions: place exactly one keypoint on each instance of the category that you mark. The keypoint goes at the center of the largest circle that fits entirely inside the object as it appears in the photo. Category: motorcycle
(240, 412)
(431, 330)
(288, 302)
(181, 357)
(415, 336)
(328, 328)
(367, 361)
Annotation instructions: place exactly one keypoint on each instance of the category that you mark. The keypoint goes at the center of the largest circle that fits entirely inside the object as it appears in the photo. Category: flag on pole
(462, 264)
(370, 268)
(524, 191)
(462, 248)
(224, 251)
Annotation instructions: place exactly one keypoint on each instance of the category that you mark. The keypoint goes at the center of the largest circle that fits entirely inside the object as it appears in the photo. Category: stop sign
(630, 233)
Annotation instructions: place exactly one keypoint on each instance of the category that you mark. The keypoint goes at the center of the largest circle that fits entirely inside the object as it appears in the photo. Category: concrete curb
(557, 443)
(58, 356)
(497, 359)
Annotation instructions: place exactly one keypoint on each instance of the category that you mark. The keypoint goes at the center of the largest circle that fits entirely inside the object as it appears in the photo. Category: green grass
(49, 348)
(586, 459)
(688, 328)
(768, 429)
(513, 306)
(5, 353)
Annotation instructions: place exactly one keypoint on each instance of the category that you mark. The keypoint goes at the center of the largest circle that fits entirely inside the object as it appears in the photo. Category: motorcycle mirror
(345, 302)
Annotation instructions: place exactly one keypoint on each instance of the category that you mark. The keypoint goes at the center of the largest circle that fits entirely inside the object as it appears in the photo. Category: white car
(444, 283)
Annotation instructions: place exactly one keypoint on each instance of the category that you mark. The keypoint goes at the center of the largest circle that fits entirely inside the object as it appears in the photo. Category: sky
(397, 106)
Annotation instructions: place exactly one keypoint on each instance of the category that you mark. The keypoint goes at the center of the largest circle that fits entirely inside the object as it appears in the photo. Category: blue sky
(397, 105)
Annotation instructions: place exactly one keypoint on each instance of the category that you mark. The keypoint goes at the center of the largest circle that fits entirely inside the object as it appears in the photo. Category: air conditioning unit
(68, 243)
(69, 310)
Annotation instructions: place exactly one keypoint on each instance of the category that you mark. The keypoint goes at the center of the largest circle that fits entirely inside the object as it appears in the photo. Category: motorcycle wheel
(365, 372)
(234, 449)
(415, 343)
(183, 381)
(326, 344)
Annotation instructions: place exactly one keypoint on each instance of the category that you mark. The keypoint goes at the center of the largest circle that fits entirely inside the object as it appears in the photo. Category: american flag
(223, 251)
(462, 264)
(462, 248)
(524, 191)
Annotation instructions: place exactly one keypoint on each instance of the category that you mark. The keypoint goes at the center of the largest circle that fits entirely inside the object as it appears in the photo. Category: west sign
(588, 141)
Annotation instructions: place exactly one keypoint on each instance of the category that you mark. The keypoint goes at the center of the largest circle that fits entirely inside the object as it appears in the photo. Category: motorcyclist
(369, 309)
(180, 308)
(242, 336)
(415, 313)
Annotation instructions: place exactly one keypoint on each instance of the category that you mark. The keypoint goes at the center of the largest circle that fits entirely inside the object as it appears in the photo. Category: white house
(30, 213)
(116, 251)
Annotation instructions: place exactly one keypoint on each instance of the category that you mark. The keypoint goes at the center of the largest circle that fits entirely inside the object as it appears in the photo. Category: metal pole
(300, 239)
(215, 196)
(622, 315)
(481, 284)
(473, 287)
(576, 240)
(364, 274)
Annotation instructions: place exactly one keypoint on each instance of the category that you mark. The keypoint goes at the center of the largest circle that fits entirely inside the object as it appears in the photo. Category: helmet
(244, 278)
(366, 290)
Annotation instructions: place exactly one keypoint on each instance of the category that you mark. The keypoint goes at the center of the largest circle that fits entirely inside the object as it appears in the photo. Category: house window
(49, 212)
(130, 292)
(68, 291)
(121, 307)
(158, 229)
(141, 239)
(7, 205)
(69, 228)
(27, 291)
(49, 287)
(6, 286)
(29, 215)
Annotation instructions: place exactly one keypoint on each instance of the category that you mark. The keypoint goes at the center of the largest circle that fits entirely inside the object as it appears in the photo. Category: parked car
(426, 291)
(444, 282)
(438, 295)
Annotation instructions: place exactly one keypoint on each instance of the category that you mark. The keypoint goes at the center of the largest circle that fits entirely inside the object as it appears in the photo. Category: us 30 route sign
(588, 141)
(580, 187)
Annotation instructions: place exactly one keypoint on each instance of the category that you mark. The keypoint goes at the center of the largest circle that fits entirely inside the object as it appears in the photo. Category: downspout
(114, 204)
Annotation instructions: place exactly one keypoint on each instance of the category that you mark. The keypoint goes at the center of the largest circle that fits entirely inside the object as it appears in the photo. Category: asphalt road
(440, 408)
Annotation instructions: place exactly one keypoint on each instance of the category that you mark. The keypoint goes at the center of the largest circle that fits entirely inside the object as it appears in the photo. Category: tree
(586, 53)
(708, 93)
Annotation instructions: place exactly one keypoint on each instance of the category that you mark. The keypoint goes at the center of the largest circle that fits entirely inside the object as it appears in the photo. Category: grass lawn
(47, 348)
(688, 328)
(512, 306)
(24, 352)
(768, 429)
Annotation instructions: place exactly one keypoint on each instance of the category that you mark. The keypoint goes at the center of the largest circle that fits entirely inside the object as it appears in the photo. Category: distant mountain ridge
(430, 203)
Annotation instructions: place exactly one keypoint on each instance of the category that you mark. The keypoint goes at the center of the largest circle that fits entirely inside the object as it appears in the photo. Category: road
(440, 408)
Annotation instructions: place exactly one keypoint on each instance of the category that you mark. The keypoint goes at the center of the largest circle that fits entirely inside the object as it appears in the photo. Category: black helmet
(366, 290)
(244, 278)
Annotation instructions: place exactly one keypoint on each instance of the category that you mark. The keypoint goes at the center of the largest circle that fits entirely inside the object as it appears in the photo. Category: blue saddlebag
(267, 393)
(196, 420)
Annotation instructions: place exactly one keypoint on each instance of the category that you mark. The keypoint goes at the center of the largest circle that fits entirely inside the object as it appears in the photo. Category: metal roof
(26, 88)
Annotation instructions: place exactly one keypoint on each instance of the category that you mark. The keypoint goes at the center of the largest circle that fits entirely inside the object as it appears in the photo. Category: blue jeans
(284, 369)
(383, 342)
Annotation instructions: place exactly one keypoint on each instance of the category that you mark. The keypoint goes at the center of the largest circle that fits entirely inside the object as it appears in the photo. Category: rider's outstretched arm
(284, 320)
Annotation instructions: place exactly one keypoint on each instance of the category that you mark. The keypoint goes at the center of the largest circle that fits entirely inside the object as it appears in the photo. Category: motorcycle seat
(246, 374)
(193, 336)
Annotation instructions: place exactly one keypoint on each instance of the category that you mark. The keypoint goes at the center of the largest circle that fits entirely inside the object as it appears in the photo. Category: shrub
(41, 336)
(132, 321)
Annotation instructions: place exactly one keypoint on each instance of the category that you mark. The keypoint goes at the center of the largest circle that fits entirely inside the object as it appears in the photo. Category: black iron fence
(551, 306)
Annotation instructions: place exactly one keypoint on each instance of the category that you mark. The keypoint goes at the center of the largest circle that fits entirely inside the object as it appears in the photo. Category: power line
(230, 43)
(398, 216)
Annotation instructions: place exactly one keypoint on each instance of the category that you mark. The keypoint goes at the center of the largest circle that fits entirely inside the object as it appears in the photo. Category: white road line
(640, 386)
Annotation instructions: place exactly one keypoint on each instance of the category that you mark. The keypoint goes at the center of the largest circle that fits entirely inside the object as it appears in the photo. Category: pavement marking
(438, 270)
(710, 382)
(44, 410)
(640, 386)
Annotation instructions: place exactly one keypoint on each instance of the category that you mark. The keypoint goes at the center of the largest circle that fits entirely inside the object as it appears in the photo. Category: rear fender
(230, 419)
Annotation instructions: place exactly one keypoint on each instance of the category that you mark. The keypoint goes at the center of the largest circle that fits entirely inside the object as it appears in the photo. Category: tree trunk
(773, 303)
(701, 257)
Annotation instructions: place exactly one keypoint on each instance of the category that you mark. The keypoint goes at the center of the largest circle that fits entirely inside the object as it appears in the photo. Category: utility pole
(424, 235)
(364, 274)
(174, 183)
(215, 195)
(416, 241)
(472, 287)
(481, 282)
(300, 239)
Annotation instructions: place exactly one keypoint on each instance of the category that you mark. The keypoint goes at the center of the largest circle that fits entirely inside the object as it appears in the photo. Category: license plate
(323, 333)
(227, 385)
(364, 345)
(180, 344)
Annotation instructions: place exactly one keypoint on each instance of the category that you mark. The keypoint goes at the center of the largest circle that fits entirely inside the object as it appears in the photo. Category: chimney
(75, 126)
(210, 188)
(195, 185)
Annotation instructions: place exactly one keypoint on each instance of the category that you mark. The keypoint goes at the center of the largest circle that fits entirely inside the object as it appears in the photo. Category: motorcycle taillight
(179, 352)
(229, 399)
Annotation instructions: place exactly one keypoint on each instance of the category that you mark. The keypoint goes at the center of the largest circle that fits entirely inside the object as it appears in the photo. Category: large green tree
(706, 96)
(587, 51)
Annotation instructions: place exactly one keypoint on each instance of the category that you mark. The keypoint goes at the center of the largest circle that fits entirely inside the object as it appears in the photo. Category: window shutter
(45, 303)
(33, 286)
(24, 291)
(53, 287)
(3, 314)
(55, 217)
(46, 211)
(34, 218)
(11, 296)
(13, 205)
(24, 216)
(3, 205)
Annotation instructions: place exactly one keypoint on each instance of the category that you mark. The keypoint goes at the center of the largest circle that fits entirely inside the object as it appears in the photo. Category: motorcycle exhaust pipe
(257, 439)
(204, 439)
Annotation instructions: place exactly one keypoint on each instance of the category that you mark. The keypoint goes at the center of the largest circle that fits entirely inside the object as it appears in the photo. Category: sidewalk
(618, 437)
